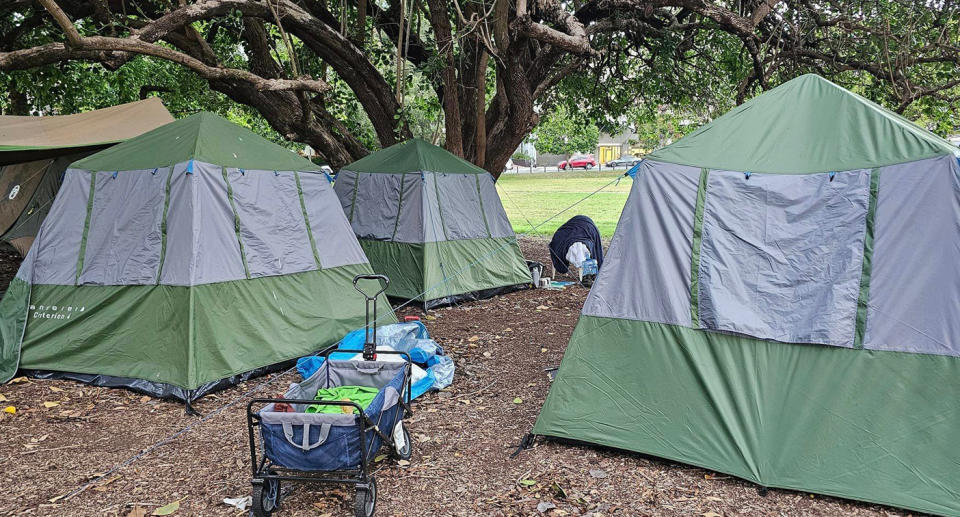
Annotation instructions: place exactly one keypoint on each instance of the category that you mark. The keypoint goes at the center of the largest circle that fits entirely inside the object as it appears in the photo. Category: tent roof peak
(413, 155)
(806, 125)
(203, 136)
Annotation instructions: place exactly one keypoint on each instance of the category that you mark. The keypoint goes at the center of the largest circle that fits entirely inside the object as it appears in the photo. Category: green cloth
(806, 125)
(433, 270)
(863, 424)
(362, 395)
(204, 137)
(180, 335)
(414, 155)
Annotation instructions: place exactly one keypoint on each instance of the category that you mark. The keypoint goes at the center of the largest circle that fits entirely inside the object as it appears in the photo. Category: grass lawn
(531, 199)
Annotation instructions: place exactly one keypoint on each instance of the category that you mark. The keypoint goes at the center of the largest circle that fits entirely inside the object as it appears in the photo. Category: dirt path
(461, 464)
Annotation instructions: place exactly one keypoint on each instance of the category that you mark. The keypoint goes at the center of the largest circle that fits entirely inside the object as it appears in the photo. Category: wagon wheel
(366, 501)
(407, 451)
(266, 497)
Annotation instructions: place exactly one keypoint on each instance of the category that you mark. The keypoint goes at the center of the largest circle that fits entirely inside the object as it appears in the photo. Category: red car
(583, 161)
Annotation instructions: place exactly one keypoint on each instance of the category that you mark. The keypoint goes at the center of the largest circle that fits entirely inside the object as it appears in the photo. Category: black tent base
(456, 299)
(159, 389)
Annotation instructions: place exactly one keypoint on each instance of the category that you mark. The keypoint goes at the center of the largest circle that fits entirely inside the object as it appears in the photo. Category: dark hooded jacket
(579, 228)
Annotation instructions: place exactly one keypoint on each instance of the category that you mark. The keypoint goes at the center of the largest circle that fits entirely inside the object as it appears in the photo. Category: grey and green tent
(35, 152)
(433, 223)
(183, 260)
(780, 303)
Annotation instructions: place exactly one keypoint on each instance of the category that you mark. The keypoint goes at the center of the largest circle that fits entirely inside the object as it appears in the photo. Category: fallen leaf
(145, 399)
(19, 380)
(597, 473)
(40, 439)
(518, 400)
(168, 509)
(403, 463)
(50, 404)
(431, 318)
(486, 354)
(2, 398)
(558, 490)
(138, 511)
(380, 458)
(56, 389)
(712, 514)
(527, 482)
(543, 349)
(10, 409)
(473, 338)
(103, 484)
(542, 307)
(545, 506)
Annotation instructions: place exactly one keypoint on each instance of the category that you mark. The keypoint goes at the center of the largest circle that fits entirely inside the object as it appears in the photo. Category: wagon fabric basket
(329, 442)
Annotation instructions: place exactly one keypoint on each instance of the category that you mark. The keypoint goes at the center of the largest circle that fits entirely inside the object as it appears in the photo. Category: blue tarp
(410, 337)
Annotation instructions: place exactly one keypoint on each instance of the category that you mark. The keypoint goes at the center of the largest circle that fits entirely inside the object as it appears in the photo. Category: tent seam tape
(863, 298)
(163, 223)
(353, 203)
(236, 222)
(86, 227)
(396, 222)
(436, 188)
(306, 221)
(695, 255)
(443, 272)
(483, 212)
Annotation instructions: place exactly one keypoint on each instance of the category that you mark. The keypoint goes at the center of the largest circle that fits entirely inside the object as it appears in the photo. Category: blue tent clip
(190, 167)
(746, 175)
(632, 172)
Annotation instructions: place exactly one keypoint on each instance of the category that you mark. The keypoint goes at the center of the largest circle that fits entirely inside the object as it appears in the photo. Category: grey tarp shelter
(189, 258)
(433, 223)
(781, 302)
(35, 152)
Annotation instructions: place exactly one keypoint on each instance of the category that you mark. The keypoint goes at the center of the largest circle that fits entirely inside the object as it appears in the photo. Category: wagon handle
(370, 346)
(358, 278)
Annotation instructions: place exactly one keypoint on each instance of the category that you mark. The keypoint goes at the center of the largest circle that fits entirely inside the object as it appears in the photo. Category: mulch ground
(65, 434)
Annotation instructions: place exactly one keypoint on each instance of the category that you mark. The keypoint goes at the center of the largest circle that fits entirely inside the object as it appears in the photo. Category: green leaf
(528, 482)
(168, 509)
(518, 400)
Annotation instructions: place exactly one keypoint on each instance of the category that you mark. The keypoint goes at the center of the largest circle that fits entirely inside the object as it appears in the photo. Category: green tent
(780, 302)
(433, 223)
(35, 152)
(181, 261)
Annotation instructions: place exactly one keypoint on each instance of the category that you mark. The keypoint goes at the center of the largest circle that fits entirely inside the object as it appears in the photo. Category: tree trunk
(440, 19)
(18, 103)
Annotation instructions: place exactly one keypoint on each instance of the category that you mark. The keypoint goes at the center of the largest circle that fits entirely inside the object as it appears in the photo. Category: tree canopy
(563, 132)
(350, 76)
